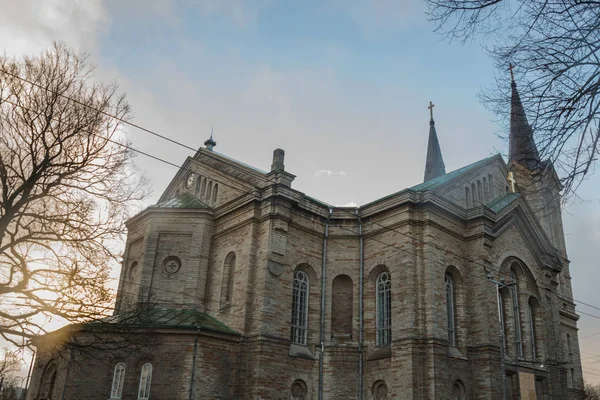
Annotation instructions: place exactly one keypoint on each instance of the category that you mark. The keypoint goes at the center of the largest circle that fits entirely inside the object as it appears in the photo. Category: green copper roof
(501, 202)
(184, 200)
(440, 180)
(168, 318)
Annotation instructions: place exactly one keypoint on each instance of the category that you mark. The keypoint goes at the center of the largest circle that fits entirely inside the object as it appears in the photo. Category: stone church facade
(258, 291)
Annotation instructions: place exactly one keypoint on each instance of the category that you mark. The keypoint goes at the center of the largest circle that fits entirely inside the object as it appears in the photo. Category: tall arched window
(300, 308)
(215, 191)
(227, 280)
(514, 291)
(479, 192)
(532, 310)
(450, 310)
(203, 192)
(198, 184)
(145, 381)
(486, 189)
(569, 348)
(384, 309)
(209, 191)
(473, 194)
(467, 197)
(46, 390)
(491, 183)
(118, 379)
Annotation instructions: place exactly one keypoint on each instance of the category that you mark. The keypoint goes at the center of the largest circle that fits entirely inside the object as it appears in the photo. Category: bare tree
(10, 362)
(67, 184)
(592, 392)
(555, 46)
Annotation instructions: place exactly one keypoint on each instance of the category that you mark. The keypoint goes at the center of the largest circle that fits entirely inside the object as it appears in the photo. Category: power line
(486, 267)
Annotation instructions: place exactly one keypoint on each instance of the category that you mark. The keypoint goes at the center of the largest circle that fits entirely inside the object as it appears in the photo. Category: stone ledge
(298, 350)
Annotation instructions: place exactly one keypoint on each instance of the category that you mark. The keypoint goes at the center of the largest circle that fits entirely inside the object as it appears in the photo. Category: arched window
(118, 379)
(198, 184)
(341, 306)
(227, 280)
(300, 308)
(209, 191)
(203, 192)
(215, 191)
(501, 300)
(48, 381)
(532, 310)
(571, 378)
(384, 309)
(145, 381)
(514, 291)
(450, 310)
(473, 194)
(479, 192)
(486, 189)
(468, 197)
(569, 348)
(491, 184)
(458, 391)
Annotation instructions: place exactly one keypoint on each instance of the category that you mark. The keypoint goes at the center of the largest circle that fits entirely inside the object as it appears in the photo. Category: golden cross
(511, 181)
(510, 68)
(431, 105)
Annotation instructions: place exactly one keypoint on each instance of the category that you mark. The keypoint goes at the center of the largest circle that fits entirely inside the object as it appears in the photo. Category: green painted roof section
(501, 202)
(168, 318)
(184, 200)
(440, 180)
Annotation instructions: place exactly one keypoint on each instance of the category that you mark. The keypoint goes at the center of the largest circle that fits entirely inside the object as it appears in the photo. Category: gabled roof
(498, 204)
(184, 200)
(440, 180)
(166, 318)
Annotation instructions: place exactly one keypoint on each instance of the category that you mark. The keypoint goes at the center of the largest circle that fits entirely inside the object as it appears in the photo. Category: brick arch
(48, 381)
(370, 303)
(342, 306)
(314, 303)
(525, 277)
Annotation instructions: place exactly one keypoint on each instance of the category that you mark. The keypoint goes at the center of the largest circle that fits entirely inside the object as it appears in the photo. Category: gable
(476, 184)
(214, 179)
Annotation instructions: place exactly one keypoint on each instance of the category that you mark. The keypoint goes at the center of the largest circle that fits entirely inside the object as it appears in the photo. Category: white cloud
(328, 172)
(27, 26)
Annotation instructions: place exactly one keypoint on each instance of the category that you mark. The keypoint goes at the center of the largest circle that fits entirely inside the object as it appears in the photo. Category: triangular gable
(513, 209)
(214, 179)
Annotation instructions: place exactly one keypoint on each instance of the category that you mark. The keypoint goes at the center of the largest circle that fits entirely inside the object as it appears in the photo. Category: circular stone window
(133, 270)
(172, 264)
(189, 181)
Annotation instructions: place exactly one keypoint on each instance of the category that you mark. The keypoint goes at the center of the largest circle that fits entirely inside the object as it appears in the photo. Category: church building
(456, 288)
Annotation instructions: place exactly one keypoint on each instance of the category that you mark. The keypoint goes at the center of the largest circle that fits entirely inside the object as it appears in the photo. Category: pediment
(518, 214)
(214, 179)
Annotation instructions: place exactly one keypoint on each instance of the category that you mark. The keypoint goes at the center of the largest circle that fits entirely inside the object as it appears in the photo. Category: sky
(342, 86)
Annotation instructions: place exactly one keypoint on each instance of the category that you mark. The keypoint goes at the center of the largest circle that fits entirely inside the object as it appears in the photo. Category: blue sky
(342, 86)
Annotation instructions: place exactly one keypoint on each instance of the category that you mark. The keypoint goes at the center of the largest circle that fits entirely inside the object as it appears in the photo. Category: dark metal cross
(431, 105)
(510, 68)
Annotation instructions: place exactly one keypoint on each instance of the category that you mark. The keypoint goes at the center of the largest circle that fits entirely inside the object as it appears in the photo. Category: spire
(522, 147)
(434, 165)
(210, 143)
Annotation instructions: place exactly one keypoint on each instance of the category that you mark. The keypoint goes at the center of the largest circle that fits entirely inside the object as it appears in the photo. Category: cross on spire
(510, 68)
(431, 105)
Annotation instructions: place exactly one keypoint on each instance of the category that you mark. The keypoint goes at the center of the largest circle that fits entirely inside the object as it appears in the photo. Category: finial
(210, 143)
(512, 76)
(431, 105)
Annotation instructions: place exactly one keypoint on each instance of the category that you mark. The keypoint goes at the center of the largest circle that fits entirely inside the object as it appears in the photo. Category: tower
(434, 164)
(536, 179)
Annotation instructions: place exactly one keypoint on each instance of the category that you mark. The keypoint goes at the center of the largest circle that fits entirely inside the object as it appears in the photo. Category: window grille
(145, 380)
(300, 308)
(384, 309)
(118, 379)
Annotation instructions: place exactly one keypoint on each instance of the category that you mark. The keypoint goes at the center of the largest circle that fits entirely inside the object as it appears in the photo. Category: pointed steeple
(434, 165)
(210, 143)
(522, 147)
